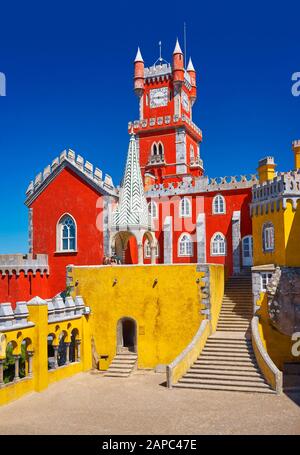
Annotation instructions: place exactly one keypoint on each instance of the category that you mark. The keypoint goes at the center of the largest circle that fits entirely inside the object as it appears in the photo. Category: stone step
(215, 355)
(227, 362)
(126, 357)
(229, 388)
(238, 383)
(226, 367)
(120, 367)
(256, 378)
(220, 349)
(222, 339)
(217, 370)
(109, 374)
(124, 362)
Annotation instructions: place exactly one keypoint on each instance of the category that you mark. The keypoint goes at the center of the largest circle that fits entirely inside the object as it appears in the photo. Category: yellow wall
(278, 255)
(287, 246)
(292, 235)
(167, 314)
(37, 334)
(216, 279)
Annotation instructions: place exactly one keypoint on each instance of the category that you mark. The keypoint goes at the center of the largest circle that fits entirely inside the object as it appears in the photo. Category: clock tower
(169, 141)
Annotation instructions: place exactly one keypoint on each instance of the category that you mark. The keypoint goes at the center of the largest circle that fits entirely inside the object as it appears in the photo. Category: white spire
(177, 49)
(132, 212)
(138, 57)
(190, 65)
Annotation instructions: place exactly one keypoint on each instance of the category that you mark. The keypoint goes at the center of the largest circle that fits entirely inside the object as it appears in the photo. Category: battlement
(16, 263)
(296, 144)
(85, 167)
(58, 310)
(167, 121)
(284, 186)
(265, 161)
(164, 70)
(202, 185)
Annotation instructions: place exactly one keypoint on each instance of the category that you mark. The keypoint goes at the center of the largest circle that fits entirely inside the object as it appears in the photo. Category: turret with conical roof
(178, 66)
(192, 73)
(139, 84)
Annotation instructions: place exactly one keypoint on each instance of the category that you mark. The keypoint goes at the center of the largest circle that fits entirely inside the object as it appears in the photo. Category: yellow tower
(296, 150)
(266, 169)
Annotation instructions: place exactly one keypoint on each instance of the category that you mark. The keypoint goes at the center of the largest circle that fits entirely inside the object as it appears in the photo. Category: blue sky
(69, 68)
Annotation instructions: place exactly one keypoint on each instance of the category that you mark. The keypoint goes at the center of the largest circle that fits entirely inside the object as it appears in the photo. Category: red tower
(168, 139)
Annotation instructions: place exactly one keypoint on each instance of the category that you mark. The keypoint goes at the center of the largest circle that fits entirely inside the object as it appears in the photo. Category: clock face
(185, 102)
(159, 97)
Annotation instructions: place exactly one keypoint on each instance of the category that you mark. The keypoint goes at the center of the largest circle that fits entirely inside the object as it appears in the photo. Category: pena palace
(172, 271)
(179, 215)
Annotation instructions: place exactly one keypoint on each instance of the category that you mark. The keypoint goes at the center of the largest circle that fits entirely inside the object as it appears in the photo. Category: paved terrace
(89, 403)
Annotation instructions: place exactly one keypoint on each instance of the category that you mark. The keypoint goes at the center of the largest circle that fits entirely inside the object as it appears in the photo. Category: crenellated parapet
(16, 263)
(273, 194)
(14, 319)
(202, 185)
(166, 122)
(60, 309)
(91, 174)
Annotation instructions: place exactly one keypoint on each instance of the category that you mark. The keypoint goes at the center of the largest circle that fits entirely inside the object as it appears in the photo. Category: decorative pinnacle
(138, 57)
(190, 66)
(177, 49)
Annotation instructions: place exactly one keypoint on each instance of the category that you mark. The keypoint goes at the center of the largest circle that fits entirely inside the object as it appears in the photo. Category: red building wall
(67, 193)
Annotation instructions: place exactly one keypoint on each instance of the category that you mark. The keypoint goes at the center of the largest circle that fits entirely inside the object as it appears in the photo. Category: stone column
(201, 239)
(168, 240)
(236, 241)
(30, 357)
(55, 348)
(153, 254)
(17, 369)
(67, 353)
(78, 353)
(140, 253)
(1, 372)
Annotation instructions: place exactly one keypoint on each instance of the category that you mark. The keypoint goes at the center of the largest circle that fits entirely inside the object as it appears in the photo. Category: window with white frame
(185, 245)
(66, 234)
(219, 205)
(265, 277)
(185, 207)
(268, 237)
(147, 249)
(152, 208)
(218, 245)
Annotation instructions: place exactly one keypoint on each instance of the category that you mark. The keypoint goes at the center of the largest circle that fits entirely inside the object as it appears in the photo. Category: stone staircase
(227, 361)
(122, 365)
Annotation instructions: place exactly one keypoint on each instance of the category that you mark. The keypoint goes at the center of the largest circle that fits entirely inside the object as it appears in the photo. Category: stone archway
(128, 246)
(126, 335)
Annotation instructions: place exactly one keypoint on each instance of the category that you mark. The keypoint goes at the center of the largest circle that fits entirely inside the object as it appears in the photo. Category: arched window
(147, 249)
(66, 234)
(154, 149)
(218, 245)
(219, 205)
(152, 208)
(185, 245)
(268, 239)
(185, 207)
(160, 149)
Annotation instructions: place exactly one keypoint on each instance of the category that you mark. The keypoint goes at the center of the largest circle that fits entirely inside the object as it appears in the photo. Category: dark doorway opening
(126, 335)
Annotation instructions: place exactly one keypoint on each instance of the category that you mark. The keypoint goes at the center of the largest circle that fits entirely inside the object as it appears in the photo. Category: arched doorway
(126, 335)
